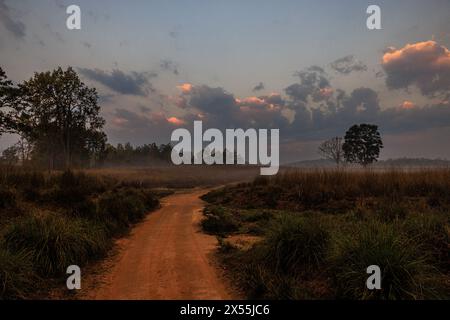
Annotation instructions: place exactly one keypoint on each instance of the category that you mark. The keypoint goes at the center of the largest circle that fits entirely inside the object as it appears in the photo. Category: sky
(309, 68)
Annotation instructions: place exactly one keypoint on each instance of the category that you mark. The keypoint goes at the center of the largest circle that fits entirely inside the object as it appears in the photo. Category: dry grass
(321, 229)
(186, 176)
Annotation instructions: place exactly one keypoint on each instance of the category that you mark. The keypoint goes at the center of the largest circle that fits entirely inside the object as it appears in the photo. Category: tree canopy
(362, 144)
(56, 113)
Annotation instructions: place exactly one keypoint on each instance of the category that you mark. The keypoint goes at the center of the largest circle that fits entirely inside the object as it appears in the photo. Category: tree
(332, 149)
(10, 156)
(5, 90)
(59, 115)
(362, 144)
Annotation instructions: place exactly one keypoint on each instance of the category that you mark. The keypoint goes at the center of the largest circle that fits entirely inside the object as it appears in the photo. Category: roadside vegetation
(49, 221)
(312, 234)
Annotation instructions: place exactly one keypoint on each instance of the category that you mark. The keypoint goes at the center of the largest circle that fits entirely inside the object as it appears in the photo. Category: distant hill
(399, 162)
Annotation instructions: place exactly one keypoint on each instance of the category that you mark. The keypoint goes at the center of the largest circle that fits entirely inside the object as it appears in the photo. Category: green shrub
(404, 269)
(17, 277)
(219, 221)
(55, 242)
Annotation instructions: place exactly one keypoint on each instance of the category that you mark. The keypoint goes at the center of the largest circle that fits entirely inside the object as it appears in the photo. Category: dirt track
(166, 257)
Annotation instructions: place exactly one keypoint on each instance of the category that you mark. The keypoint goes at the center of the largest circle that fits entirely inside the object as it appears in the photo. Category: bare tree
(332, 149)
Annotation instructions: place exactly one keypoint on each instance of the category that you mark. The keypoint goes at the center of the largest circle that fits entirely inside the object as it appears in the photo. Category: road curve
(166, 257)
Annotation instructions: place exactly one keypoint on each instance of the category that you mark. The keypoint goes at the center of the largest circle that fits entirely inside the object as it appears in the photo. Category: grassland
(312, 234)
(176, 177)
(50, 220)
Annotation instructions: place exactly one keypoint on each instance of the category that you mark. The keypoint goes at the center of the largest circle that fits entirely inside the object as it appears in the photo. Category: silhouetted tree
(5, 98)
(332, 149)
(362, 144)
(59, 115)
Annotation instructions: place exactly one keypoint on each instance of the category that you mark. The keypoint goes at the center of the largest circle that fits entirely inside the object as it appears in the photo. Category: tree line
(57, 118)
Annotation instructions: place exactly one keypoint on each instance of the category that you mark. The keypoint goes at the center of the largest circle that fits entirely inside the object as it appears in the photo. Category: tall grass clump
(430, 230)
(17, 277)
(296, 244)
(284, 263)
(54, 242)
(406, 272)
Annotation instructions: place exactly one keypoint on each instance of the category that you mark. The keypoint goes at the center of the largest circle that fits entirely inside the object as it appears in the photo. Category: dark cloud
(133, 83)
(423, 64)
(169, 65)
(259, 87)
(15, 27)
(313, 82)
(335, 115)
(399, 120)
(347, 65)
(220, 109)
(217, 104)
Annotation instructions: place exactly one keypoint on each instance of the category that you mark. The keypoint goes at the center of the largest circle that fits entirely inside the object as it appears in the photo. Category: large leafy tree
(59, 115)
(362, 144)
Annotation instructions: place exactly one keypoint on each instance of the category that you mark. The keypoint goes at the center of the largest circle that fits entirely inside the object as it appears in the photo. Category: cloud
(407, 105)
(362, 105)
(398, 120)
(220, 109)
(347, 65)
(176, 121)
(15, 27)
(312, 80)
(185, 87)
(259, 87)
(213, 101)
(139, 128)
(169, 65)
(423, 64)
(133, 83)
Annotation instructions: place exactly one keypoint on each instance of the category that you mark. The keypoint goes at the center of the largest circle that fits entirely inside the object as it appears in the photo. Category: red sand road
(166, 257)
